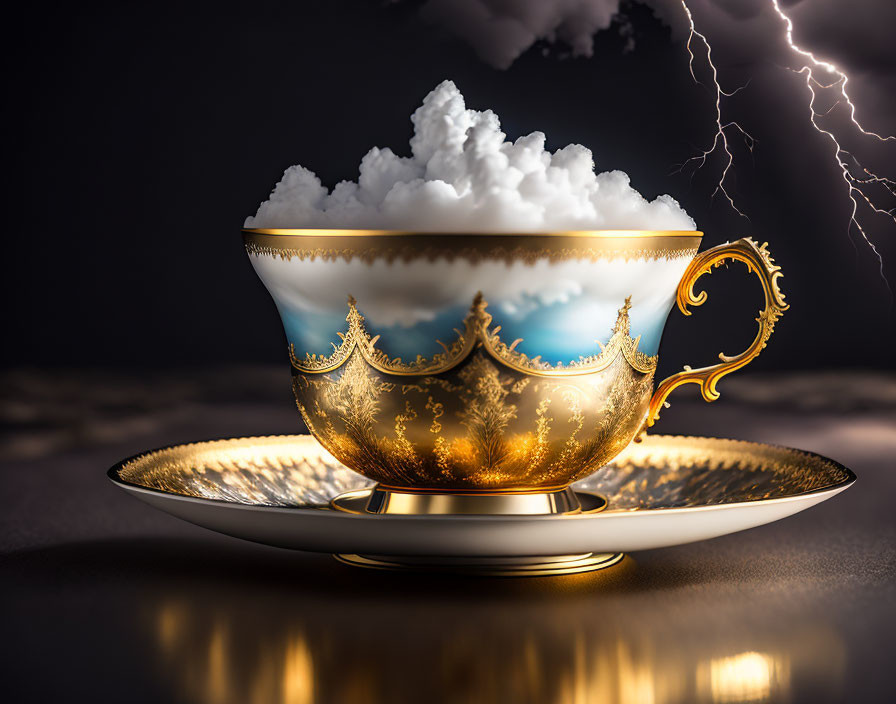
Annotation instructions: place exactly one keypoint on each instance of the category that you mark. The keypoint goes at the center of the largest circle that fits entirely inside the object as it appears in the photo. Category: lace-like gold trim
(503, 254)
(477, 332)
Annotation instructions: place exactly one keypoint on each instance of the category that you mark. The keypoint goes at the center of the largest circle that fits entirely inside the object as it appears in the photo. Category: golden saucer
(661, 492)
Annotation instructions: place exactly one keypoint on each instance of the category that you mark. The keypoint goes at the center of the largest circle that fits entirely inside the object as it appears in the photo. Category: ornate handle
(760, 263)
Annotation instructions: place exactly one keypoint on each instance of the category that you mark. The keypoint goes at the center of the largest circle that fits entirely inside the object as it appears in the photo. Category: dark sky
(143, 135)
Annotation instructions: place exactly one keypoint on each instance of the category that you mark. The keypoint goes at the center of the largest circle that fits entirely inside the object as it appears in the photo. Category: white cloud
(463, 176)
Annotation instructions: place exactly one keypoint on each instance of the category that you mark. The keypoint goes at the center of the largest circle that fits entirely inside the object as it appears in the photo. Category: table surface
(105, 599)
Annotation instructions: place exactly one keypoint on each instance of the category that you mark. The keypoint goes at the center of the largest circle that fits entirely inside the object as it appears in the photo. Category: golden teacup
(485, 373)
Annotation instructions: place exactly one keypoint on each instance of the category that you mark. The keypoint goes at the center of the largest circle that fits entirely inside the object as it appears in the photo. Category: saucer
(664, 491)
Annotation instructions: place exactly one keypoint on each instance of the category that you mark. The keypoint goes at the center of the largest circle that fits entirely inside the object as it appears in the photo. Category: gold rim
(607, 234)
(510, 247)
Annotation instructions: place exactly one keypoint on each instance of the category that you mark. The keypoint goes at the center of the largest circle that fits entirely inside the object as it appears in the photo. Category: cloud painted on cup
(566, 306)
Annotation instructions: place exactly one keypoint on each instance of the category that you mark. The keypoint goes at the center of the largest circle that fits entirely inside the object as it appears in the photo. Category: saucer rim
(837, 487)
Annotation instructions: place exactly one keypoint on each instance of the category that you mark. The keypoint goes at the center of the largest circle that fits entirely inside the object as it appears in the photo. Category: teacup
(483, 365)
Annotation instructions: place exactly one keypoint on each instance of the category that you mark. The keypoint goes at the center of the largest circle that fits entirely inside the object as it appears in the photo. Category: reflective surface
(104, 599)
(526, 649)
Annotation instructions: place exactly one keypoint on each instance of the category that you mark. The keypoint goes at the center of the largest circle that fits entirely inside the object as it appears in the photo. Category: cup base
(489, 566)
(381, 500)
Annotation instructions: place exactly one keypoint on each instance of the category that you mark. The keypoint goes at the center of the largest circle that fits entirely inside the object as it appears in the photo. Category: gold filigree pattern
(480, 416)
(477, 333)
(663, 472)
(275, 470)
(681, 471)
(759, 262)
(479, 426)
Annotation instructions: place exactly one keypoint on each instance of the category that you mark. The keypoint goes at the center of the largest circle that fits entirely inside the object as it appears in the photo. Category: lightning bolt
(854, 184)
(857, 186)
(720, 138)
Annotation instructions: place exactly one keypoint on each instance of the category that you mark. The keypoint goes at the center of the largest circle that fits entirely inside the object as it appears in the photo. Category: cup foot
(488, 566)
(381, 500)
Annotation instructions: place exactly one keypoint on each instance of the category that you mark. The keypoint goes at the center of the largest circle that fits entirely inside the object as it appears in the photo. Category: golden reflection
(298, 673)
(217, 665)
(558, 648)
(168, 625)
(747, 677)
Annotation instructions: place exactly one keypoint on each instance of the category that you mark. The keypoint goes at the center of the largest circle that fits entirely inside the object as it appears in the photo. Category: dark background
(143, 135)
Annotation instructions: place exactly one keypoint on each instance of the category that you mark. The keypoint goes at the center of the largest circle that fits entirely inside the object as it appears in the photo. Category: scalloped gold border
(477, 332)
